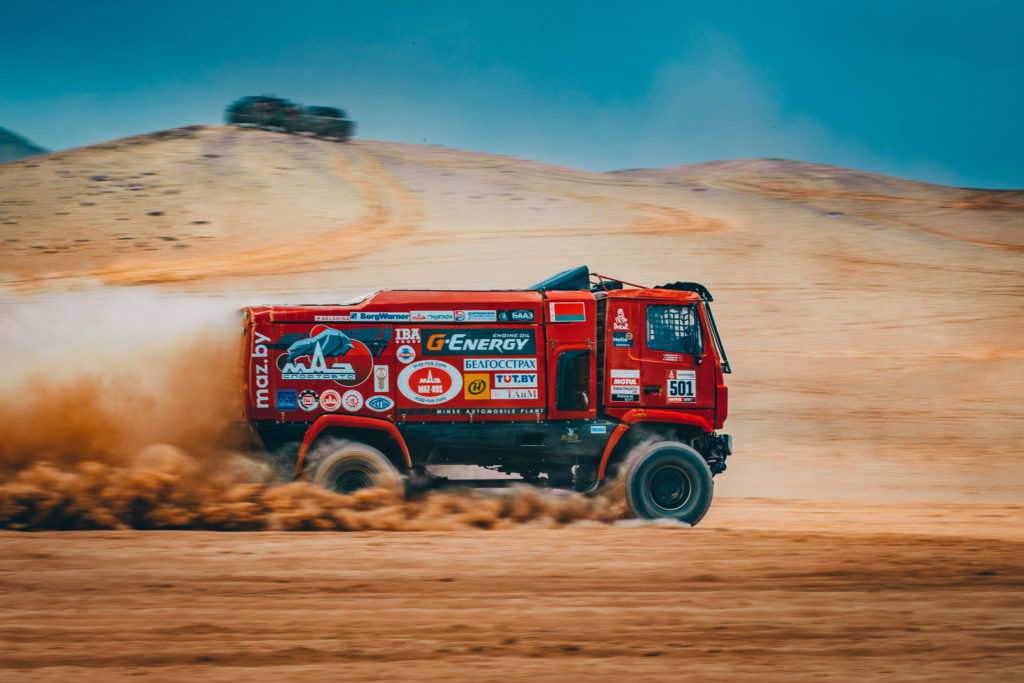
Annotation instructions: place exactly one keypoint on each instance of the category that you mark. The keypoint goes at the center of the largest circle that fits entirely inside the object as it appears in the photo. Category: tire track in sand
(391, 213)
(648, 218)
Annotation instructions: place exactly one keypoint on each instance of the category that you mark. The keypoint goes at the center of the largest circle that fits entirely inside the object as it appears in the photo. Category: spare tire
(668, 480)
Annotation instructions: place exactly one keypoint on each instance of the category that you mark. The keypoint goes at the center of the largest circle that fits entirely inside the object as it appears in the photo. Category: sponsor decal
(625, 385)
(513, 394)
(405, 353)
(681, 386)
(510, 379)
(515, 316)
(484, 342)
(378, 316)
(620, 322)
(261, 369)
(380, 404)
(471, 411)
(332, 318)
(478, 386)
(571, 434)
(380, 378)
(432, 316)
(622, 339)
(406, 335)
(326, 354)
(567, 311)
(499, 364)
(429, 382)
(309, 400)
(352, 400)
(598, 429)
(287, 399)
(476, 316)
(330, 400)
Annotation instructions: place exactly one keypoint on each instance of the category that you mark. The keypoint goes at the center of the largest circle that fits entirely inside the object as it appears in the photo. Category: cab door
(571, 331)
(677, 368)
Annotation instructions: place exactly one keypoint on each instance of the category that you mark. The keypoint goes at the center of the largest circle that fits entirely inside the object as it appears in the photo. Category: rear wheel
(668, 479)
(347, 466)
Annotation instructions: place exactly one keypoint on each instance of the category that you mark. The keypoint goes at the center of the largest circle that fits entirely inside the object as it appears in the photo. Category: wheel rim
(351, 480)
(669, 487)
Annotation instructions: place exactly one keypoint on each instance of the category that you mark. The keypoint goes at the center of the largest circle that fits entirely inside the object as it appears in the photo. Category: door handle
(652, 389)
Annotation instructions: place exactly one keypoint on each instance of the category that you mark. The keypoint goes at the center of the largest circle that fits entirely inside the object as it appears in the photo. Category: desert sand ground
(869, 524)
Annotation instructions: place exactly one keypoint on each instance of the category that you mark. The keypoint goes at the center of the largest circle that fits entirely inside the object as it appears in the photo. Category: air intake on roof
(572, 280)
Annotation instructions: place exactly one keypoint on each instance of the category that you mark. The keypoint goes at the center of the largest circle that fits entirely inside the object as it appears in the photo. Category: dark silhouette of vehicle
(263, 111)
(327, 122)
(277, 113)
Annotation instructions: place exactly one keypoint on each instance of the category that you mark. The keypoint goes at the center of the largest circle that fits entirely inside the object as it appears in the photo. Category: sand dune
(874, 328)
(873, 322)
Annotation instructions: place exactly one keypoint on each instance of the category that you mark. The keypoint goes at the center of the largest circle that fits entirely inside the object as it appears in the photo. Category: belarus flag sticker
(567, 311)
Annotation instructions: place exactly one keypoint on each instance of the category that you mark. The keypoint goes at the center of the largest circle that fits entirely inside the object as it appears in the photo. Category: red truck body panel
(417, 354)
(541, 362)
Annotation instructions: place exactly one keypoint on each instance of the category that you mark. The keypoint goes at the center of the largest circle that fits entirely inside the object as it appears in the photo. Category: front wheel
(668, 479)
(346, 467)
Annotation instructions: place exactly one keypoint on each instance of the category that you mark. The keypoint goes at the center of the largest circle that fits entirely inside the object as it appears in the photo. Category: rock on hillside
(13, 146)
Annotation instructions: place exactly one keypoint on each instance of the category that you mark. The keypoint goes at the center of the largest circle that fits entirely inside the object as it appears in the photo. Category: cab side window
(674, 328)
(573, 380)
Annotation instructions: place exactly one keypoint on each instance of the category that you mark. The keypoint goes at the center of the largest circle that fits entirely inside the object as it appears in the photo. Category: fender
(354, 421)
(644, 415)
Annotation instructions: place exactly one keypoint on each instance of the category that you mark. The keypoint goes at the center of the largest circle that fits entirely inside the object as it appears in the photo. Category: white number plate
(681, 386)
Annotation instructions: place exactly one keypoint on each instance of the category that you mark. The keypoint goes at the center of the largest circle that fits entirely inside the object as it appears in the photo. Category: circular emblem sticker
(308, 399)
(352, 400)
(330, 400)
(405, 353)
(380, 404)
(430, 382)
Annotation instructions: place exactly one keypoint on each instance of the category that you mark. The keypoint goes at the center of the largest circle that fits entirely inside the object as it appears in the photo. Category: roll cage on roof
(580, 278)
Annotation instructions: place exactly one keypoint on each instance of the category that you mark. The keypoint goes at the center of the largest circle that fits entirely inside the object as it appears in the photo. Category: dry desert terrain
(869, 524)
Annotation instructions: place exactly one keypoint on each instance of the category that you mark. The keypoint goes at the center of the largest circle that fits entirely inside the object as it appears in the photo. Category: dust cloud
(123, 410)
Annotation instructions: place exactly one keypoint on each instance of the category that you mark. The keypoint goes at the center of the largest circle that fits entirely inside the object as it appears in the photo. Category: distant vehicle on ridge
(264, 111)
(327, 122)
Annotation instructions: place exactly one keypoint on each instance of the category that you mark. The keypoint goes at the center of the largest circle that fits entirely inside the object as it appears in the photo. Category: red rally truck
(563, 385)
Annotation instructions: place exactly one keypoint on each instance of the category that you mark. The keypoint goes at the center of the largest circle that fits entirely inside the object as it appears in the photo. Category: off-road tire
(668, 479)
(347, 466)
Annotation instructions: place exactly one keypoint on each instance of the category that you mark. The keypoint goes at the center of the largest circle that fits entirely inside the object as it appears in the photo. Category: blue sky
(926, 90)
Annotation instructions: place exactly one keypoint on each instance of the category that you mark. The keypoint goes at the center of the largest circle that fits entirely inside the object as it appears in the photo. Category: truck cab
(569, 383)
(666, 342)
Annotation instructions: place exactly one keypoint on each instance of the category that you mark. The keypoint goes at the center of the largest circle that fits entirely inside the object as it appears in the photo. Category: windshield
(673, 328)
